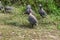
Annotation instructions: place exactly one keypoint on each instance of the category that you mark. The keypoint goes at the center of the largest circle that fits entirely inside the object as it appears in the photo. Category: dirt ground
(9, 32)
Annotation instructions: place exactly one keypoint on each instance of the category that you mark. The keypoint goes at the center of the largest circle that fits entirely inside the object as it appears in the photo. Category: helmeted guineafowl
(32, 19)
(1, 6)
(8, 9)
(29, 10)
(42, 11)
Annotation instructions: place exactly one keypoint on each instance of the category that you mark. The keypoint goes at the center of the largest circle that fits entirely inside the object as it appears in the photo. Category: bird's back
(32, 19)
(41, 11)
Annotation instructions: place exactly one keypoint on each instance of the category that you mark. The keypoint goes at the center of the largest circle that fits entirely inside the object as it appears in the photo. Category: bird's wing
(34, 18)
(44, 12)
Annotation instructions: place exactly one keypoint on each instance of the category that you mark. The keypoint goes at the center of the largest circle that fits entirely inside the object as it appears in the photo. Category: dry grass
(9, 32)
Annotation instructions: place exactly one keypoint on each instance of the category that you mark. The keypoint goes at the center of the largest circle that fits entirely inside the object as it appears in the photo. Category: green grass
(15, 26)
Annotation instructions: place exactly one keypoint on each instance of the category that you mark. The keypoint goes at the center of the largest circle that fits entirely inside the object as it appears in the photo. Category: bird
(8, 9)
(29, 10)
(1, 6)
(42, 12)
(32, 20)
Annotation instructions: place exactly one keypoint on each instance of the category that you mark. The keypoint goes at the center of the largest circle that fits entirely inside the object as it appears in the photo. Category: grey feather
(32, 19)
(29, 10)
(1, 6)
(42, 12)
(9, 9)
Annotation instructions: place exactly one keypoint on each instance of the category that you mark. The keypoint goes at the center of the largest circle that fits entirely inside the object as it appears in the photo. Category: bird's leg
(32, 26)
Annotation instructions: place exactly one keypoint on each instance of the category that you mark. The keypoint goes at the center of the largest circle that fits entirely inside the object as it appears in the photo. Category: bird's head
(40, 6)
(28, 6)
